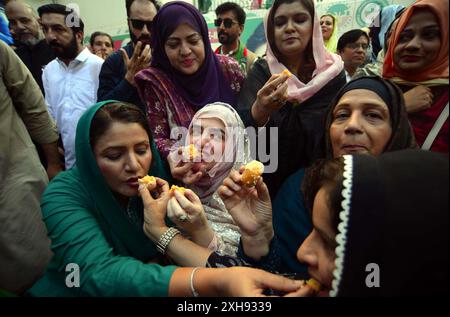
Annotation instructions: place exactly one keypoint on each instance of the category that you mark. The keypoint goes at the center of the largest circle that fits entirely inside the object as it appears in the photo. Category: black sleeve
(271, 262)
(112, 82)
(255, 80)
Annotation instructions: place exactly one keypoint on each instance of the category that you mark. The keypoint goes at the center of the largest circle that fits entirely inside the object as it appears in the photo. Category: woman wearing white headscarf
(227, 149)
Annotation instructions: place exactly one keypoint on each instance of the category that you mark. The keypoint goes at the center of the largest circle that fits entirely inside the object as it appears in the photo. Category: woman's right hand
(141, 59)
(181, 170)
(418, 98)
(271, 97)
(155, 209)
(250, 282)
(235, 282)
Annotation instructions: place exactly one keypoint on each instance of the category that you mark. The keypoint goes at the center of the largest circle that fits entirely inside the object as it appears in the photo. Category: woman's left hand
(251, 209)
(187, 212)
(155, 209)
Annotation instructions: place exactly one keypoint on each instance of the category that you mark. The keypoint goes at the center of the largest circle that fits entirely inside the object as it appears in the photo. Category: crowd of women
(361, 178)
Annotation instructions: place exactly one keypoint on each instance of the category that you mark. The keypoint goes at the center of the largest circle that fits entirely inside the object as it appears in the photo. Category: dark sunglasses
(228, 23)
(139, 24)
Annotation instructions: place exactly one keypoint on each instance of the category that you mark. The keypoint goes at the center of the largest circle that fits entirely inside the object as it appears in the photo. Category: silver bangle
(165, 239)
(194, 292)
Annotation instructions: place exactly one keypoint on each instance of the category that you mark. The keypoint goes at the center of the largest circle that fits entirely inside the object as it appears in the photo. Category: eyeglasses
(227, 22)
(139, 24)
(355, 46)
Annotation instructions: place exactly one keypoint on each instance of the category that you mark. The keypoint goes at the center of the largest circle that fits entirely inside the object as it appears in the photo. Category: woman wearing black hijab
(380, 225)
(353, 126)
(367, 116)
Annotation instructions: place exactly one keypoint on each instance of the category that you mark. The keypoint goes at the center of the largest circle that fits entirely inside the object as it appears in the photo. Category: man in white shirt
(71, 80)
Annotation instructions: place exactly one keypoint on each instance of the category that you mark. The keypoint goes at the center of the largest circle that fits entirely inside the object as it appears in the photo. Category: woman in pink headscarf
(296, 105)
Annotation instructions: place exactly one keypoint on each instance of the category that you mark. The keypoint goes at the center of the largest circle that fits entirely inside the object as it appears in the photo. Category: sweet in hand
(149, 181)
(252, 173)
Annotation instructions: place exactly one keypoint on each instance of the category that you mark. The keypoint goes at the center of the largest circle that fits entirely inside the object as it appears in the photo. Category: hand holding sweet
(182, 170)
(155, 209)
(186, 211)
(271, 97)
(251, 209)
(245, 282)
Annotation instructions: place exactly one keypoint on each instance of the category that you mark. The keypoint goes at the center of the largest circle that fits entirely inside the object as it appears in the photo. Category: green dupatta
(123, 228)
(88, 227)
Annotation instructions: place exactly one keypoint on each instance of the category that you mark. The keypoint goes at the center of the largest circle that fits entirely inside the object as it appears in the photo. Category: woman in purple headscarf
(185, 74)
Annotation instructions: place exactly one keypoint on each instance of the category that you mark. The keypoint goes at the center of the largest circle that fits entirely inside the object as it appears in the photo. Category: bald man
(25, 29)
(32, 48)
(23, 23)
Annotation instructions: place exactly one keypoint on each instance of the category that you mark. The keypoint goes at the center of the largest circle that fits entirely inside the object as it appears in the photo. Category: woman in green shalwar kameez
(102, 233)
(88, 227)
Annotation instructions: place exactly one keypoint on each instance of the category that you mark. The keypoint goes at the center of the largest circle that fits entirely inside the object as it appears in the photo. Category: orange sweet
(286, 72)
(150, 181)
(314, 284)
(252, 173)
(190, 152)
(175, 187)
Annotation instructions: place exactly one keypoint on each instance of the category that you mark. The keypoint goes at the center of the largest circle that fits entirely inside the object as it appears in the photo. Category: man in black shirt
(32, 48)
(118, 70)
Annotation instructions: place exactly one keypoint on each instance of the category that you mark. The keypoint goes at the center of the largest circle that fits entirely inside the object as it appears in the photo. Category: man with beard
(71, 80)
(352, 47)
(32, 48)
(230, 25)
(119, 69)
